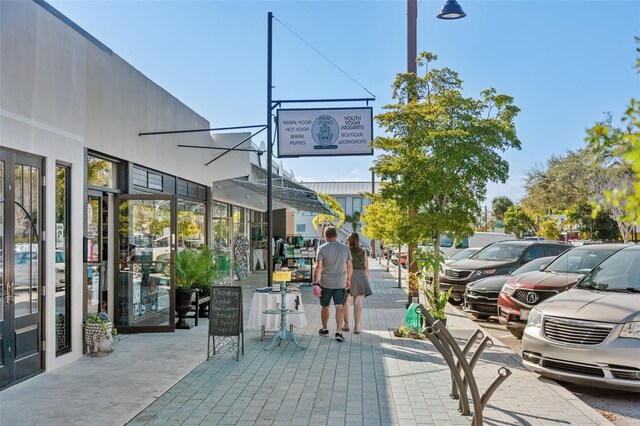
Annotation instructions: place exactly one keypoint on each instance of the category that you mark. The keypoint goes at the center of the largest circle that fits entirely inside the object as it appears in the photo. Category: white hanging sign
(325, 132)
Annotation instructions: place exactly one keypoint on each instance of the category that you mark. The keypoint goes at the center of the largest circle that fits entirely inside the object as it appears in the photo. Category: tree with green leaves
(353, 220)
(499, 206)
(439, 151)
(516, 221)
(323, 219)
(382, 220)
(549, 229)
(622, 142)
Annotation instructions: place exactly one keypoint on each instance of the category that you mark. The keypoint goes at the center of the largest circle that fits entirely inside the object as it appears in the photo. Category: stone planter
(96, 329)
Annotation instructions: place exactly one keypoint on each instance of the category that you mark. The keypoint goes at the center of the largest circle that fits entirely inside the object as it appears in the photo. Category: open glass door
(146, 237)
(21, 346)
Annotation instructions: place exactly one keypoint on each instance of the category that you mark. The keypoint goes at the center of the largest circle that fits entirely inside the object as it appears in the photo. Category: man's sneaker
(339, 337)
(323, 332)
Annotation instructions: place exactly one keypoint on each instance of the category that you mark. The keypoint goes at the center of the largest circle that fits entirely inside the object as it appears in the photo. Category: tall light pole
(450, 10)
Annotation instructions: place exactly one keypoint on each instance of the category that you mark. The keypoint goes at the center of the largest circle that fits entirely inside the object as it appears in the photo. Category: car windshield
(59, 256)
(463, 254)
(579, 261)
(534, 265)
(500, 252)
(446, 241)
(617, 273)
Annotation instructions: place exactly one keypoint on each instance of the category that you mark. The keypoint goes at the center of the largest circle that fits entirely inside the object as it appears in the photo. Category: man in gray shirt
(333, 273)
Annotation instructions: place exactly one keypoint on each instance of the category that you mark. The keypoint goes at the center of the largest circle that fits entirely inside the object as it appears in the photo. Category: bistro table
(270, 320)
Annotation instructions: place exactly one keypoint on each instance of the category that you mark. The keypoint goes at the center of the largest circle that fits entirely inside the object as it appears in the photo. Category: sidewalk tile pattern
(371, 379)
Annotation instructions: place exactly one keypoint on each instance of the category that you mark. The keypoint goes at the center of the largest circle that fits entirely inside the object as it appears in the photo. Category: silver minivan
(590, 335)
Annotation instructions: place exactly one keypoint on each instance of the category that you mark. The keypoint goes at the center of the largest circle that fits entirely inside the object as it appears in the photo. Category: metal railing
(463, 381)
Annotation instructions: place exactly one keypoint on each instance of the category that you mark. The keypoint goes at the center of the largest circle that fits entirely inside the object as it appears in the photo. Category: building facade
(352, 198)
(92, 213)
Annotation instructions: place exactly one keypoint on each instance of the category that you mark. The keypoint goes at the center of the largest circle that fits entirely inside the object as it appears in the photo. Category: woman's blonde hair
(353, 241)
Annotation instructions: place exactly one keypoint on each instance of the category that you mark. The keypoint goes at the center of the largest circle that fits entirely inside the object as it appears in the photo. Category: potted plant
(195, 270)
(98, 334)
(428, 265)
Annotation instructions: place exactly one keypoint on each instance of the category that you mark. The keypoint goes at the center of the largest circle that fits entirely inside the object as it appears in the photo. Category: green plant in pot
(195, 270)
(428, 265)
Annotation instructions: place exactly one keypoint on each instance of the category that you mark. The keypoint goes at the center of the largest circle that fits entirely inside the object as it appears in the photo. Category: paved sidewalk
(371, 378)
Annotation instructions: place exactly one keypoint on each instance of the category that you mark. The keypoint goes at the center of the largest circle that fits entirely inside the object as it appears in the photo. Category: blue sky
(564, 62)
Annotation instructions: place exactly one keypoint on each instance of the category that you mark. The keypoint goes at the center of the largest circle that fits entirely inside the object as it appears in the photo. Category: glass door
(96, 253)
(146, 237)
(21, 290)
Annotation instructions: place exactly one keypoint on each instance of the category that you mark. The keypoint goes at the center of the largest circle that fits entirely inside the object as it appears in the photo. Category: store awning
(253, 194)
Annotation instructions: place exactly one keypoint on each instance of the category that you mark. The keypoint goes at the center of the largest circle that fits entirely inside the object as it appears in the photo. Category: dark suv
(498, 258)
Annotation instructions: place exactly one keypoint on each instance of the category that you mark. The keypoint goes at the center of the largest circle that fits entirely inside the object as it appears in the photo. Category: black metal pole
(412, 53)
(269, 155)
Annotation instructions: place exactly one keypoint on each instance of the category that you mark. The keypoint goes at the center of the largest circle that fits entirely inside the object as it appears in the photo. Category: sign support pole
(270, 244)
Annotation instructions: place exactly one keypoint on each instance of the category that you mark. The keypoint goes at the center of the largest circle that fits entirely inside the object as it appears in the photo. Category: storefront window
(221, 239)
(63, 267)
(356, 204)
(343, 203)
(191, 224)
(101, 172)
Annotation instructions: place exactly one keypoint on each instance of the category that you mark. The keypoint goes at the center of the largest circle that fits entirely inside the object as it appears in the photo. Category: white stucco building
(91, 212)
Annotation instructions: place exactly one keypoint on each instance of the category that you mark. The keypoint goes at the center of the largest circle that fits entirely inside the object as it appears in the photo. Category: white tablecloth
(271, 322)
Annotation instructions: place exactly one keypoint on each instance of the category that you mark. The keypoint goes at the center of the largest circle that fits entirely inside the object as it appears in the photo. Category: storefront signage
(225, 311)
(325, 132)
(282, 276)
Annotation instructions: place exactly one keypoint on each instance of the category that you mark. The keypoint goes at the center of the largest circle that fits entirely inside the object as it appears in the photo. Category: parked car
(481, 297)
(462, 254)
(590, 334)
(499, 258)
(449, 245)
(522, 293)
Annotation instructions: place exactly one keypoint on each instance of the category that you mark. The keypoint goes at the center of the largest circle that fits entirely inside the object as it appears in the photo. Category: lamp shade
(451, 10)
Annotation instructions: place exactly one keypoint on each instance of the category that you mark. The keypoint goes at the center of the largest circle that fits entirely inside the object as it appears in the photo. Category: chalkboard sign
(225, 311)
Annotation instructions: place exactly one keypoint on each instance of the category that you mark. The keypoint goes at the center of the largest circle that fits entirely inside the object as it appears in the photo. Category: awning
(253, 194)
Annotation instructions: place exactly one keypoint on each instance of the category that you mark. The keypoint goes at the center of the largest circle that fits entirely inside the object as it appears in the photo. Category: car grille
(489, 309)
(457, 274)
(532, 297)
(575, 332)
(622, 372)
(574, 367)
(486, 294)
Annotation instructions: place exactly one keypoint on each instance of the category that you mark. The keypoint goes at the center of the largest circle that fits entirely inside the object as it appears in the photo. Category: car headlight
(508, 289)
(631, 330)
(485, 272)
(535, 318)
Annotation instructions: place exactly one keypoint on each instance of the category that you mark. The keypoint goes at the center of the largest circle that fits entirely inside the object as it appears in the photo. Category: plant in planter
(401, 330)
(195, 270)
(428, 265)
(98, 334)
(437, 302)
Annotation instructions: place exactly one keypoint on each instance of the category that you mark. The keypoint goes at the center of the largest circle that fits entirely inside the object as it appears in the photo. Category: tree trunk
(436, 265)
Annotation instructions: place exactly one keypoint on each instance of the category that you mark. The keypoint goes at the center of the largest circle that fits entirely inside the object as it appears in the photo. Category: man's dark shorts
(339, 296)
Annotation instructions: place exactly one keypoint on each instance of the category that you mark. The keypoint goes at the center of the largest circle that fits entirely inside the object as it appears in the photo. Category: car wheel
(456, 300)
(517, 332)
(166, 269)
(481, 316)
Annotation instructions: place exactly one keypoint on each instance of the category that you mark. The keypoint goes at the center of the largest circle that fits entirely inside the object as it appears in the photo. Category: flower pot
(93, 329)
(183, 306)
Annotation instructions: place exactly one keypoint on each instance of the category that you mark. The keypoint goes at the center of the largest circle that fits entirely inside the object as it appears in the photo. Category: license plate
(524, 314)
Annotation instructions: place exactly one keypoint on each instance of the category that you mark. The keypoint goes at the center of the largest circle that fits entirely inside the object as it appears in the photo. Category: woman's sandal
(346, 329)
(356, 331)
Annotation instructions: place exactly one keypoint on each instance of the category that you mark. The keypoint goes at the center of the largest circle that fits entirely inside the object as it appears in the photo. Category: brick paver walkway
(372, 378)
